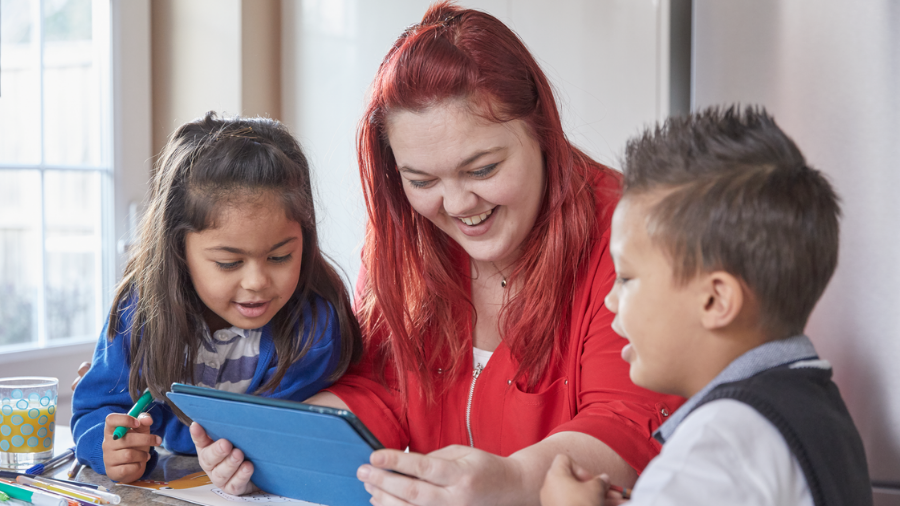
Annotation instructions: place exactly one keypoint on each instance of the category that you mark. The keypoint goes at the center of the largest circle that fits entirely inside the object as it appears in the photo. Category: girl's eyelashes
(230, 266)
(622, 280)
(281, 259)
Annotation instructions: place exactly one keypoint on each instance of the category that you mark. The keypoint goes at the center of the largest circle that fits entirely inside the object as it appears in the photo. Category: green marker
(135, 410)
(33, 496)
(3, 497)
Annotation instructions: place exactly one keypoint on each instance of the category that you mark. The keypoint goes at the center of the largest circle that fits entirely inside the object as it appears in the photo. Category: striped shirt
(228, 359)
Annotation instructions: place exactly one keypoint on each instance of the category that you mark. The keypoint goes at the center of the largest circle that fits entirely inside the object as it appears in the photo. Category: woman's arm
(327, 399)
(591, 454)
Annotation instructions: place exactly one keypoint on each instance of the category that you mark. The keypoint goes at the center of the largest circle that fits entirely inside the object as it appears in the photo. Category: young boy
(723, 242)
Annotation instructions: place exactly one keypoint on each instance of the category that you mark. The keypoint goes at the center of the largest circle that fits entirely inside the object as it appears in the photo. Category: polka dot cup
(27, 421)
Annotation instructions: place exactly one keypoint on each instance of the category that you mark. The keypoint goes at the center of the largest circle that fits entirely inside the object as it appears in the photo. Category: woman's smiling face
(480, 182)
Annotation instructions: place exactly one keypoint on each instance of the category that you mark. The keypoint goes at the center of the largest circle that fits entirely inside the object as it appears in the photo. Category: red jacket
(589, 391)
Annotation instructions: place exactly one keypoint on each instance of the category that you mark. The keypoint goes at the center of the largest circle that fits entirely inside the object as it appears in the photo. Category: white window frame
(128, 129)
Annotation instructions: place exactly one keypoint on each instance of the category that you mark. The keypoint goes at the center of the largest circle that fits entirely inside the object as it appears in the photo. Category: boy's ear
(724, 300)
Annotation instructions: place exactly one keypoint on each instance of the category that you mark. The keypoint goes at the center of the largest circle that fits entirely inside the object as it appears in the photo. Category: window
(55, 171)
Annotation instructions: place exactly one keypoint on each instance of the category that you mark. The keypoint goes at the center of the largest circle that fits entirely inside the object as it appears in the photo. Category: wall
(196, 62)
(830, 74)
(261, 58)
(213, 55)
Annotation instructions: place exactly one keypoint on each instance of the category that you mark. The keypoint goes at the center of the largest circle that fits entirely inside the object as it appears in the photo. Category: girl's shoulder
(123, 310)
(318, 307)
(316, 317)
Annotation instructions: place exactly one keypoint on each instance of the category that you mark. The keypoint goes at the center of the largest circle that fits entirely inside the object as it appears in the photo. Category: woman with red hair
(488, 347)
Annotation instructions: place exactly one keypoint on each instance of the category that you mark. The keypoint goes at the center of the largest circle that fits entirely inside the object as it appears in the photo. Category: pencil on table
(75, 469)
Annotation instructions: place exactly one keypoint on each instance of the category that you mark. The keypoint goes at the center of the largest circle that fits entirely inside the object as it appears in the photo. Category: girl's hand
(224, 464)
(126, 458)
(455, 475)
(568, 484)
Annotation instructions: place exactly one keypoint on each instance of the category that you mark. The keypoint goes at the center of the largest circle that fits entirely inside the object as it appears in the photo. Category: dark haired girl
(227, 289)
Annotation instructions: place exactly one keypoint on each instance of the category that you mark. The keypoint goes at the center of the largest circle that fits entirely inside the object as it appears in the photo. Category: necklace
(502, 277)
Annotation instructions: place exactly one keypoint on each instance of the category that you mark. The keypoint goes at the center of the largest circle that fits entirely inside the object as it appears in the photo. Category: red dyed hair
(415, 289)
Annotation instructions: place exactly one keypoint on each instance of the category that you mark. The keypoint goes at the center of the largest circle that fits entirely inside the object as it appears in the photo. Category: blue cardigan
(104, 389)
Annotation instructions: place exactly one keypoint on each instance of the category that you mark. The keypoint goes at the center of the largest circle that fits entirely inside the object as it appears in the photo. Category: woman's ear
(724, 300)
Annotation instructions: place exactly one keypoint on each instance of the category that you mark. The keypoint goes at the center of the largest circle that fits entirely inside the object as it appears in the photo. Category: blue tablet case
(297, 450)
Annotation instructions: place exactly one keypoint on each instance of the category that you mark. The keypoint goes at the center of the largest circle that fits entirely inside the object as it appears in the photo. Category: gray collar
(766, 356)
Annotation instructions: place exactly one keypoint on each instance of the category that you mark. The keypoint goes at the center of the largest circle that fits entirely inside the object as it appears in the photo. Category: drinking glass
(27, 421)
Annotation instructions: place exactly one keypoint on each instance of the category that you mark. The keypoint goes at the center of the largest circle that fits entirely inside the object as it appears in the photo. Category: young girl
(227, 289)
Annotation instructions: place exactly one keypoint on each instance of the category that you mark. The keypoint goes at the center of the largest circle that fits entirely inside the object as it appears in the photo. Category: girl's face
(479, 181)
(247, 267)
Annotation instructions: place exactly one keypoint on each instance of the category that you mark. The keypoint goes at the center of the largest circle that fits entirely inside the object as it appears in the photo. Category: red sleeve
(380, 408)
(609, 406)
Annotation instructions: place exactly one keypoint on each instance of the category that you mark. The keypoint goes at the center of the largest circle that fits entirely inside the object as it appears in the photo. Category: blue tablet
(298, 450)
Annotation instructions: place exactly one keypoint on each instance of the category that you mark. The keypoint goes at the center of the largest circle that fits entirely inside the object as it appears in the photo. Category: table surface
(170, 467)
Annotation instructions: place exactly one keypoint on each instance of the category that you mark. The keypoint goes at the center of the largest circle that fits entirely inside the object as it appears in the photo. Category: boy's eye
(280, 259)
(484, 171)
(227, 266)
(622, 280)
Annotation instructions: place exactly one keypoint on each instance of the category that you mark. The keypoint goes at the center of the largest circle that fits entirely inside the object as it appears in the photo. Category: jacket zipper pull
(475, 373)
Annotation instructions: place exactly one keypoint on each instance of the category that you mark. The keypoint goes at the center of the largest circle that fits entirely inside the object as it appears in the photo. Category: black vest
(806, 407)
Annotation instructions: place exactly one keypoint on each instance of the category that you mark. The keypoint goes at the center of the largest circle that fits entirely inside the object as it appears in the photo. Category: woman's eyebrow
(478, 155)
(465, 162)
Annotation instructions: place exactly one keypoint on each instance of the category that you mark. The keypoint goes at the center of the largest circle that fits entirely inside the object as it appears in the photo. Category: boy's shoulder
(724, 452)
(801, 389)
(802, 402)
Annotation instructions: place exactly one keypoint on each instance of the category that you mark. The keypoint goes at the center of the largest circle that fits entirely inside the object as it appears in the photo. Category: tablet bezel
(352, 420)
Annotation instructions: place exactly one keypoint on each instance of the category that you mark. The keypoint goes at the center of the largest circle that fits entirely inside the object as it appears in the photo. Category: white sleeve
(725, 452)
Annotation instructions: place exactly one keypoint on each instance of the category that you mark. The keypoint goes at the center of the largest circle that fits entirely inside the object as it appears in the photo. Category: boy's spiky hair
(737, 195)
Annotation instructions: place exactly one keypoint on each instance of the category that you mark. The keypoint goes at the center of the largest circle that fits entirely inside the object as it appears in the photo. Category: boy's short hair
(737, 195)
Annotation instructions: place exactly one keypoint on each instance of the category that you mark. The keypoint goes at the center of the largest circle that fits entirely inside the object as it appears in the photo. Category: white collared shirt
(724, 452)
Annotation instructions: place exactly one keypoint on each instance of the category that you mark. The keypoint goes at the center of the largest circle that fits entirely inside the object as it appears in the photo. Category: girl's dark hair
(205, 164)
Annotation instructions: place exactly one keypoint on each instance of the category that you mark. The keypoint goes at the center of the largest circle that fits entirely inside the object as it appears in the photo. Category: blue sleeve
(103, 391)
(309, 375)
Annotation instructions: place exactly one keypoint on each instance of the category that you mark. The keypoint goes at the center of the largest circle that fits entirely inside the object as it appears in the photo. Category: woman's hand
(568, 484)
(224, 464)
(126, 458)
(455, 475)
(460, 475)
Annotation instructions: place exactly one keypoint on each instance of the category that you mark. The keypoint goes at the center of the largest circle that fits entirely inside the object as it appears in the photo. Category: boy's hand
(568, 484)
(223, 464)
(126, 458)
